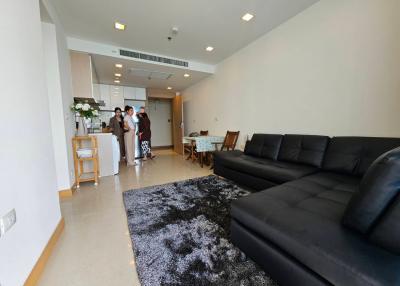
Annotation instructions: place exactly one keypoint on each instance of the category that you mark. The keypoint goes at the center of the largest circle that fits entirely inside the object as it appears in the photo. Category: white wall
(333, 69)
(27, 165)
(64, 70)
(56, 105)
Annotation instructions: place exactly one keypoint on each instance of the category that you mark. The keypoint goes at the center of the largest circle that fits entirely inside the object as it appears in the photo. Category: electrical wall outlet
(7, 221)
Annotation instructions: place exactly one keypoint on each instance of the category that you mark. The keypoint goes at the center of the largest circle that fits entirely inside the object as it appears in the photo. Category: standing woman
(129, 135)
(145, 135)
(117, 129)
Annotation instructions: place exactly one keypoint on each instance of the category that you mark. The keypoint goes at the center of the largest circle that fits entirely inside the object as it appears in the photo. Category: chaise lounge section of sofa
(330, 211)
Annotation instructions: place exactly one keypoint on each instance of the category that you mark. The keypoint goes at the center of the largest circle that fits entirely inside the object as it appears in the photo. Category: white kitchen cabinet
(134, 93)
(96, 91)
(129, 92)
(105, 96)
(140, 93)
(116, 100)
(117, 89)
(114, 95)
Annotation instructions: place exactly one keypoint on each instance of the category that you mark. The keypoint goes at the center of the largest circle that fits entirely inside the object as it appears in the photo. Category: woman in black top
(117, 128)
(145, 135)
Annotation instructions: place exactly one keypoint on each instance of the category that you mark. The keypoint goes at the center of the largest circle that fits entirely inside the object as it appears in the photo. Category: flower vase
(82, 129)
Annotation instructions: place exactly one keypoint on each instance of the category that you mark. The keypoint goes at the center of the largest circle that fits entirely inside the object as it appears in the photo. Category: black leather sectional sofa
(329, 212)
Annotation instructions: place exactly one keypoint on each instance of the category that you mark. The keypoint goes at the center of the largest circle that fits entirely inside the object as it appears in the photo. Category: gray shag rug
(180, 235)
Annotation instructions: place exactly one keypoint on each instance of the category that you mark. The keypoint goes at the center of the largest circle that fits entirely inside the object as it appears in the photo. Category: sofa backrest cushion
(303, 149)
(253, 147)
(378, 189)
(354, 155)
(342, 155)
(264, 145)
(372, 149)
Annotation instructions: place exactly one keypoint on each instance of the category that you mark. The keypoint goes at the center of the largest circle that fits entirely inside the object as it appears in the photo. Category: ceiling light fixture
(247, 17)
(169, 88)
(186, 75)
(209, 49)
(118, 66)
(119, 26)
(116, 81)
(117, 74)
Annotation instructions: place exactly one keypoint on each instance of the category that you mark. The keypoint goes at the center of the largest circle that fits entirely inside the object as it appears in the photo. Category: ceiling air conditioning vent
(153, 58)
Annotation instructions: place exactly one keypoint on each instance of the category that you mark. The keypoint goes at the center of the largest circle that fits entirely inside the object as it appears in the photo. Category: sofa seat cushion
(303, 220)
(274, 171)
(324, 194)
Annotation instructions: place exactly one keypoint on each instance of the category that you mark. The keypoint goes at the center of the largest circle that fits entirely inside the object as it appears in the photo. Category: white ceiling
(201, 23)
(105, 69)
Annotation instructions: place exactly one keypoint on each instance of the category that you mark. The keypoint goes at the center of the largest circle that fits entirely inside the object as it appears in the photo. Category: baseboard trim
(67, 192)
(163, 147)
(44, 257)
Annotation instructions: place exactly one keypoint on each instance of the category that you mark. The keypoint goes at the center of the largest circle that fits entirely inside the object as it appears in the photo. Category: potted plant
(85, 111)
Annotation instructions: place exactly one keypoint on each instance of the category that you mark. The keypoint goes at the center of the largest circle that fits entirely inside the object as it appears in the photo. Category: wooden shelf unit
(80, 174)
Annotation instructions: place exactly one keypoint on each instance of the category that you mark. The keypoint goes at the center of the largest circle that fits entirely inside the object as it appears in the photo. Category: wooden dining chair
(187, 148)
(202, 133)
(229, 143)
(230, 140)
(191, 148)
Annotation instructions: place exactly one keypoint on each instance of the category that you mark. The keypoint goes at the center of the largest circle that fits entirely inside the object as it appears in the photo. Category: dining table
(201, 145)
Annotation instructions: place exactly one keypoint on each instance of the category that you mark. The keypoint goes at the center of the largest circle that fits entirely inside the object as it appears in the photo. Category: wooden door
(177, 118)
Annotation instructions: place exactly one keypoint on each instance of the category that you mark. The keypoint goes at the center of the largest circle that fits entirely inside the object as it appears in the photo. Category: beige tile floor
(95, 248)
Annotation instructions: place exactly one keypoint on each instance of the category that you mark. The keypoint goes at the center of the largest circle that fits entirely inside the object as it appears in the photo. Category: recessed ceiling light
(247, 17)
(209, 49)
(186, 75)
(119, 26)
(169, 88)
(117, 74)
(118, 65)
(116, 81)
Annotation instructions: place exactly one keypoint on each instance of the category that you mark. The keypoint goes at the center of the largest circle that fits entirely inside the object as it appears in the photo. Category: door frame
(177, 120)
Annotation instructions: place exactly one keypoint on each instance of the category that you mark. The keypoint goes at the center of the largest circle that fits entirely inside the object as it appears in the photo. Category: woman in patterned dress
(145, 135)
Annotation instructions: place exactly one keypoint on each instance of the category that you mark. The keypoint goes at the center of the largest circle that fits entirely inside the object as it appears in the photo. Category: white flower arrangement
(84, 110)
